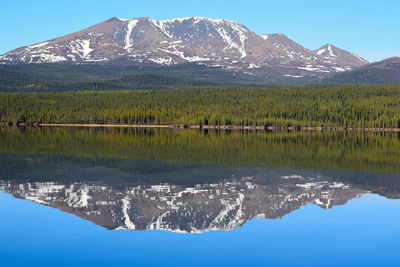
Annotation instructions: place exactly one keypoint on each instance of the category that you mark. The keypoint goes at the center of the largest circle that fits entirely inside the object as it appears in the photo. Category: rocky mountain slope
(334, 55)
(211, 42)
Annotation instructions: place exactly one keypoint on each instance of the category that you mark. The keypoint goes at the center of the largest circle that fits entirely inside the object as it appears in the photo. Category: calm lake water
(160, 197)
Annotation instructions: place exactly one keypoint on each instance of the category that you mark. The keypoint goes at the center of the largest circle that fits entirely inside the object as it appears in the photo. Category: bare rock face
(211, 42)
(188, 209)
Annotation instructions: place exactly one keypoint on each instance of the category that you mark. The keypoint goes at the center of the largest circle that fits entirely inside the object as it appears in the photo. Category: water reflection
(376, 152)
(223, 205)
(193, 181)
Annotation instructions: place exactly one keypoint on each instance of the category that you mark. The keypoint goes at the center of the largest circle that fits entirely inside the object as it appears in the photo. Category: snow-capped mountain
(224, 205)
(211, 42)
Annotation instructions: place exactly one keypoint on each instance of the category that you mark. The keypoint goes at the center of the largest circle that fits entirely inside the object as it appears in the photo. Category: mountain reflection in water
(223, 205)
(193, 181)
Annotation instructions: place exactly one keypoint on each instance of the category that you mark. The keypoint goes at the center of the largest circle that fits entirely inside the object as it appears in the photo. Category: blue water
(364, 232)
(329, 199)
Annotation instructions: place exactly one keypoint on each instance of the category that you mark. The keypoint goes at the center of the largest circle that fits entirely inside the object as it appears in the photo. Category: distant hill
(382, 72)
(92, 72)
(125, 82)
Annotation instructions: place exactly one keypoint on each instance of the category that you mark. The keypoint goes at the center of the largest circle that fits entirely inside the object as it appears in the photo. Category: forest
(66, 77)
(329, 106)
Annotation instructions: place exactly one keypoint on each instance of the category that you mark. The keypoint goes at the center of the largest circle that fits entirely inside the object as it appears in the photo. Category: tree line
(329, 106)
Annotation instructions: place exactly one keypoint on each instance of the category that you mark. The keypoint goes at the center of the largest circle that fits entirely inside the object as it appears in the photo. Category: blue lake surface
(64, 204)
(365, 232)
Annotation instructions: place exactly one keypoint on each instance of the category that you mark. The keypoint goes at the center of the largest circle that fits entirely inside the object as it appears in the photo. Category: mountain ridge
(220, 43)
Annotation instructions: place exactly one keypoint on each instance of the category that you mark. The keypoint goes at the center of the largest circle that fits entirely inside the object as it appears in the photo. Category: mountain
(143, 192)
(217, 43)
(382, 72)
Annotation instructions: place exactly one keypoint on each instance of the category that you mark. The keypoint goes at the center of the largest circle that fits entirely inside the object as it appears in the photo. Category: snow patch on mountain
(81, 47)
(46, 58)
(38, 45)
(231, 43)
(331, 51)
(125, 209)
(128, 41)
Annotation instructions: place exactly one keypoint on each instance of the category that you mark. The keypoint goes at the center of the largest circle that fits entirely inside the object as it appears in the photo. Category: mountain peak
(112, 19)
(327, 49)
(335, 54)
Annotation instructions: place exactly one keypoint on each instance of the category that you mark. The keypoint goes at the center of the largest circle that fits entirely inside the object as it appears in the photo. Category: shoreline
(210, 127)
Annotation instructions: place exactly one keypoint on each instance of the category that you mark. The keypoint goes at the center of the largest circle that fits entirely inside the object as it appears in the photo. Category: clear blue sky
(368, 28)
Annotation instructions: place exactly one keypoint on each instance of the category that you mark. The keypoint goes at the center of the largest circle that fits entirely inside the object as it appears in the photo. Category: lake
(168, 197)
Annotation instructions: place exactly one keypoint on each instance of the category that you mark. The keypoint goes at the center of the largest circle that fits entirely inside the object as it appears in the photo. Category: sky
(364, 27)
